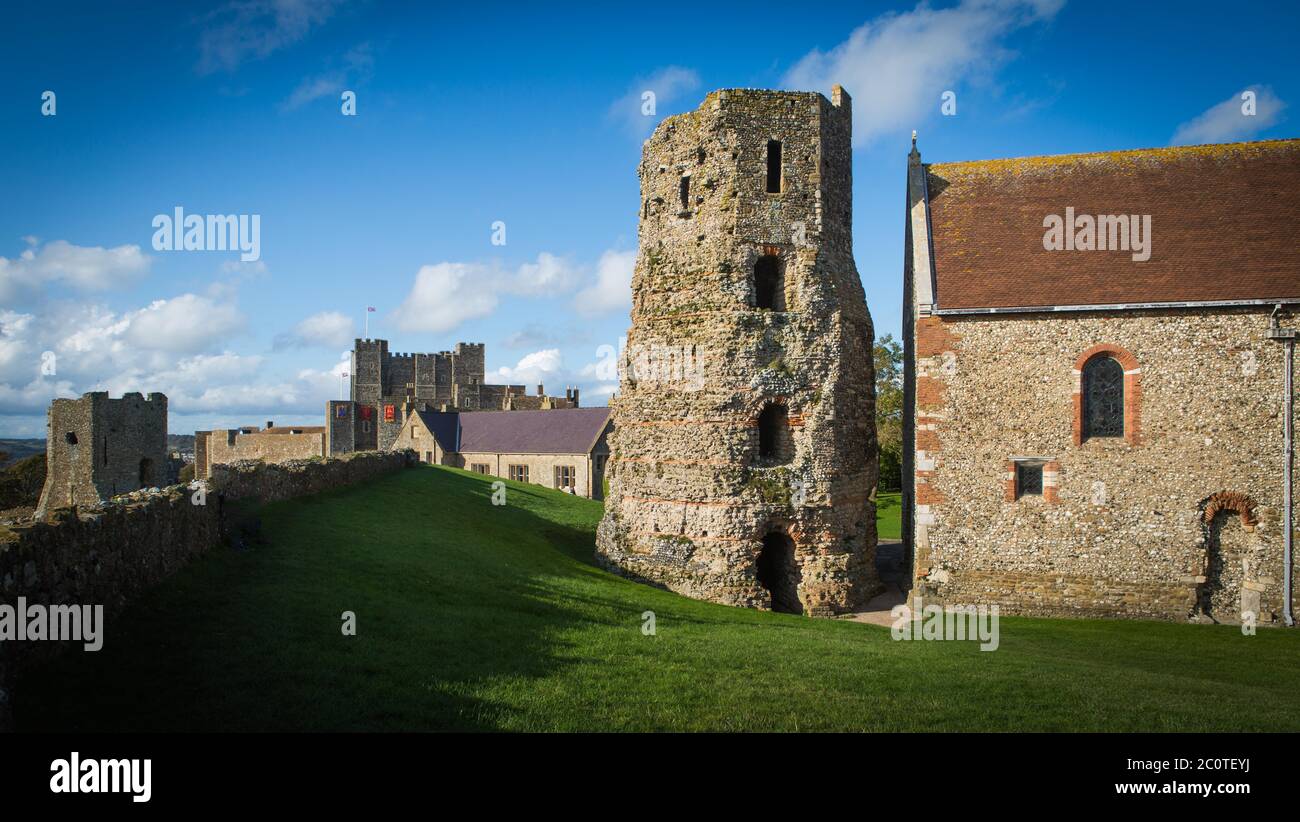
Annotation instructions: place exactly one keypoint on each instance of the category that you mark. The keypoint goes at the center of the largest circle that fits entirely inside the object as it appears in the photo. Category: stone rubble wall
(111, 553)
(691, 500)
(1122, 528)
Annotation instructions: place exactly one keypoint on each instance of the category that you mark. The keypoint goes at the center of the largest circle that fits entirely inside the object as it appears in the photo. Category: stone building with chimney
(1098, 381)
(743, 457)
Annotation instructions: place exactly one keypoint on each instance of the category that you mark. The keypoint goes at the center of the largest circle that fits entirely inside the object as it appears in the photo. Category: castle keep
(746, 477)
(97, 448)
(1091, 433)
(386, 388)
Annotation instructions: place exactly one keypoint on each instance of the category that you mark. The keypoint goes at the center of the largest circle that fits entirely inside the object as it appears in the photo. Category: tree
(889, 412)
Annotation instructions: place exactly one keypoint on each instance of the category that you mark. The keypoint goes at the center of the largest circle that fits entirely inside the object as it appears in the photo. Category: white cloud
(356, 69)
(183, 324)
(254, 29)
(329, 329)
(612, 290)
(897, 65)
(83, 268)
(668, 85)
(533, 369)
(1227, 121)
(447, 294)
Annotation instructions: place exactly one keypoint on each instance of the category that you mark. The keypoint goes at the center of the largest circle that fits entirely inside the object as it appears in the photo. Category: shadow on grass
(442, 583)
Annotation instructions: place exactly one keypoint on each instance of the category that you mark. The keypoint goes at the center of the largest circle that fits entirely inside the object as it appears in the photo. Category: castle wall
(110, 555)
(1120, 529)
(692, 497)
(226, 446)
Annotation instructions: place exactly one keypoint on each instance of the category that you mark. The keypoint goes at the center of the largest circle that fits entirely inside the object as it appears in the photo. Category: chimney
(270, 424)
(540, 391)
(575, 398)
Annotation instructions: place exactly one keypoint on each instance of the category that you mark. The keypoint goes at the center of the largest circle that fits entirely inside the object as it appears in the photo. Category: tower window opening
(769, 285)
(685, 192)
(775, 444)
(773, 166)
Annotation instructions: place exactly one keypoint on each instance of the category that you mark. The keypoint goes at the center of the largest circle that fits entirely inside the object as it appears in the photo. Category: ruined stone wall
(269, 482)
(692, 497)
(233, 446)
(98, 447)
(1121, 527)
(109, 554)
(106, 556)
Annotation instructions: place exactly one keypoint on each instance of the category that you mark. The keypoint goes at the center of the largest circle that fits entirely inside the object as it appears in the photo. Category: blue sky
(515, 113)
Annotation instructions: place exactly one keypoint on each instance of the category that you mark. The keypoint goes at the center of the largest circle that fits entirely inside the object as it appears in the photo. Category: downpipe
(1286, 336)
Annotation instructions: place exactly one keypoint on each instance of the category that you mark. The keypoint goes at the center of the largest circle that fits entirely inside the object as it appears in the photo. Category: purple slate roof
(556, 431)
(444, 427)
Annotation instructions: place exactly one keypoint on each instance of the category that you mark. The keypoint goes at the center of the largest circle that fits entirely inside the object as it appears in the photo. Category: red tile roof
(1225, 225)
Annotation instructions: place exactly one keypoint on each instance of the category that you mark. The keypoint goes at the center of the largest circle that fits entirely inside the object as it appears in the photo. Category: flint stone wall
(1123, 529)
(691, 499)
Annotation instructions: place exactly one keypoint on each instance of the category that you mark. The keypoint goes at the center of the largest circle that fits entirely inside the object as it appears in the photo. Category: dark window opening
(1103, 398)
(71, 437)
(774, 442)
(685, 192)
(1029, 479)
(146, 472)
(778, 573)
(105, 449)
(773, 166)
(769, 284)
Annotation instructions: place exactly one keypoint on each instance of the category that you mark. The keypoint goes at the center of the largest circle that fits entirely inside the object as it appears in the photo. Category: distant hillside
(21, 449)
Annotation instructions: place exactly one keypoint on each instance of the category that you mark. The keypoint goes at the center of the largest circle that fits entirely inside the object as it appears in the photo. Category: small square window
(1029, 479)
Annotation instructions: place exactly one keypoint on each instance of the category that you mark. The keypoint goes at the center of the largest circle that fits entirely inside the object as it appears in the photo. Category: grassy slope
(889, 515)
(477, 617)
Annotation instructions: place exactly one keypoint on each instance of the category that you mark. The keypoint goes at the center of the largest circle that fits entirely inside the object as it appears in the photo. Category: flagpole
(367, 323)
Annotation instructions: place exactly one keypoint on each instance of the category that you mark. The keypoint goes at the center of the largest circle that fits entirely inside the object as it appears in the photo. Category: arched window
(775, 444)
(769, 285)
(1103, 398)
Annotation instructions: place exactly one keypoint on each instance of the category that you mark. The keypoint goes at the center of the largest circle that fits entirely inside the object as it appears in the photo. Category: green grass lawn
(472, 616)
(889, 515)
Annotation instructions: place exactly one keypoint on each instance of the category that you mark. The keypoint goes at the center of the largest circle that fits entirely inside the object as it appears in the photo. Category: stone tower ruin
(744, 453)
(96, 448)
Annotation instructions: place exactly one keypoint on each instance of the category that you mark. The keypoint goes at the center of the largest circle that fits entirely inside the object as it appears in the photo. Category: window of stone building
(778, 573)
(1103, 398)
(146, 472)
(601, 459)
(365, 426)
(479, 467)
(1029, 478)
(773, 166)
(684, 191)
(769, 284)
(518, 473)
(775, 444)
(105, 450)
(565, 476)
(428, 456)
(70, 437)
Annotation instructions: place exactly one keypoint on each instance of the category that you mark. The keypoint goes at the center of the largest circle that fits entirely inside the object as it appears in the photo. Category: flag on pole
(370, 308)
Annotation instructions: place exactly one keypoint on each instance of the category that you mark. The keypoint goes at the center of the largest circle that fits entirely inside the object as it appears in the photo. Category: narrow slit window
(773, 166)
(685, 192)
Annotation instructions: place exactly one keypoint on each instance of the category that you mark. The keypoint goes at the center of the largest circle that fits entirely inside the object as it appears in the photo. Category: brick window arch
(1092, 371)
